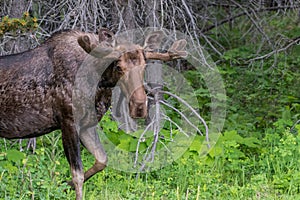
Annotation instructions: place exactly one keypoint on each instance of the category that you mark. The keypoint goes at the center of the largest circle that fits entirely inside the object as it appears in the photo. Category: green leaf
(251, 142)
(133, 144)
(216, 151)
(232, 135)
(113, 137)
(124, 142)
(14, 155)
(8, 166)
(196, 144)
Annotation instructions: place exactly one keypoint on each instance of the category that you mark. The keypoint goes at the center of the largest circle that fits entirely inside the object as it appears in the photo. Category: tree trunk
(18, 7)
(154, 70)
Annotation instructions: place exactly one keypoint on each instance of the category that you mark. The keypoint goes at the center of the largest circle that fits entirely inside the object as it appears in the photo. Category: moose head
(130, 62)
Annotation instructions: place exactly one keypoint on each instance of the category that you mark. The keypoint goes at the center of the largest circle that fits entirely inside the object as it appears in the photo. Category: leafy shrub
(24, 24)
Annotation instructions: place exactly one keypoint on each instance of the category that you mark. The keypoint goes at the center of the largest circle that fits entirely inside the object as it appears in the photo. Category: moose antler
(177, 50)
(106, 46)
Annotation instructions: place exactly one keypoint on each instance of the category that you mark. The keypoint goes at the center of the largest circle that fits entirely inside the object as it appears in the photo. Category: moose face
(131, 63)
(132, 66)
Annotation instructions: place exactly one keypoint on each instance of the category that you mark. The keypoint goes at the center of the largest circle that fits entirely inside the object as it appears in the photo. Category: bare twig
(254, 21)
(182, 115)
(150, 157)
(141, 139)
(245, 12)
(192, 110)
(294, 125)
(294, 41)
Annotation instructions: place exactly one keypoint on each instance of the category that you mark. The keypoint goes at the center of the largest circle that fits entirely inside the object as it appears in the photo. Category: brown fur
(36, 84)
(37, 96)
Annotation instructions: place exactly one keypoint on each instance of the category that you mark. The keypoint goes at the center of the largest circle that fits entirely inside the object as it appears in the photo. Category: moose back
(36, 90)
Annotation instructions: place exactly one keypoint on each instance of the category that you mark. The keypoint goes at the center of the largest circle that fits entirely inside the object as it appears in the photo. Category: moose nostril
(140, 106)
(138, 109)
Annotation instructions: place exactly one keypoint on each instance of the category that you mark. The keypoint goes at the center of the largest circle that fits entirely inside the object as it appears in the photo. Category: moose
(36, 89)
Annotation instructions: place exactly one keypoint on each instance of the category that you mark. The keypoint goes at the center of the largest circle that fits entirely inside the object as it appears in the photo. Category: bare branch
(294, 41)
(193, 111)
(182, 115)
(247, 12)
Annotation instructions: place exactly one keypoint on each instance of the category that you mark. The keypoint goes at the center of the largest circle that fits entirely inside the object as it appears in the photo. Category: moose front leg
(91, 141)
(71, 145)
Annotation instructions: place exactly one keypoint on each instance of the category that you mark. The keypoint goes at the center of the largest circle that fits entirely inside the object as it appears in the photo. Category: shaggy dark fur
(37, 90)
(36, 86)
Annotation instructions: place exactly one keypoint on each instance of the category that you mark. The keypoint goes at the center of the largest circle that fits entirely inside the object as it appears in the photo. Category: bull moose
(36, 89)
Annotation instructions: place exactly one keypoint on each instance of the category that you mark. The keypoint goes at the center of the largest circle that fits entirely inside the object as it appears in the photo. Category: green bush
(14, 25)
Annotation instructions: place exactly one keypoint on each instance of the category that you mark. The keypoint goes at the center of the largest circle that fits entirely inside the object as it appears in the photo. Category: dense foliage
(18, 25)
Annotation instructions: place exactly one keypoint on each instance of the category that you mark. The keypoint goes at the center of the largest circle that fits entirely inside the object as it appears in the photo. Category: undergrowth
(236, 167)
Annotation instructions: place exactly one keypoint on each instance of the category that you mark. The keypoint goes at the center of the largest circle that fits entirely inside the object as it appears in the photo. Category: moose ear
(85, 42)
(153, 41)
(106, 36)
(93, 47)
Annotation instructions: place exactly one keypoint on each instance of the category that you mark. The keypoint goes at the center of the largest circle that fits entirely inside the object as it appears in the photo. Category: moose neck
(109, 78)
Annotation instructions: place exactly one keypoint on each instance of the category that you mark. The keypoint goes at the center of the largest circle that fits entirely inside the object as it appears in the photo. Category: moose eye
(118, 69)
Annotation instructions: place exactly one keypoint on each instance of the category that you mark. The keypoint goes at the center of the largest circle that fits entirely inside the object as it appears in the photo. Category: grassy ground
(268, 169)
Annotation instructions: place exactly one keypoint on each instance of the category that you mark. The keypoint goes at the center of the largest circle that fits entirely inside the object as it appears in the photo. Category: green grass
(269, 170)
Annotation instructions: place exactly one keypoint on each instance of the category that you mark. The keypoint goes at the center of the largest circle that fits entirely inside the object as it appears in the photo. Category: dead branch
(294, 41)
(247, 12)
(192, 110)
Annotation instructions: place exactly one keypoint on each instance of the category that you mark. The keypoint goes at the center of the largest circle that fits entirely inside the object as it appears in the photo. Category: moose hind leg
(71, 145)
(91, 141)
